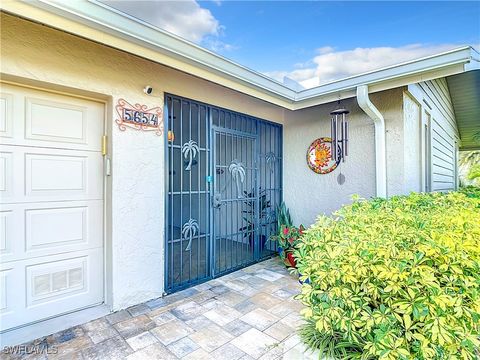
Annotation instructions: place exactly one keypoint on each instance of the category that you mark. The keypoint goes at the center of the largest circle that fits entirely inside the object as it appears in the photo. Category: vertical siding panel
(435, 99)
(444, 133)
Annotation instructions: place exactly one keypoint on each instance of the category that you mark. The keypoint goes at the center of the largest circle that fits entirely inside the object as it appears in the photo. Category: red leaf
(291, 259)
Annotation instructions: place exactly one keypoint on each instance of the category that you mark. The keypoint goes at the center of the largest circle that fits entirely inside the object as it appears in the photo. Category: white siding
(434, 98)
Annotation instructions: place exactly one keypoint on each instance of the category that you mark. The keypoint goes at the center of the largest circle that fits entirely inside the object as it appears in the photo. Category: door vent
(59, 281)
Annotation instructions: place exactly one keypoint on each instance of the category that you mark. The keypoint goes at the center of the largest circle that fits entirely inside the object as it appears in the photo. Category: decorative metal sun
(322, 155)
(319, 156)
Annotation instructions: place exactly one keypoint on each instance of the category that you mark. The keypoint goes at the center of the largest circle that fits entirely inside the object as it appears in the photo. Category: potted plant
(288, 237)
(249, 216)
(283, 219)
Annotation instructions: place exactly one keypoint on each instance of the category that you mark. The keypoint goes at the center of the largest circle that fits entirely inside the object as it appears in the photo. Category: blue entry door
(234, 200)
(223, 185)
(187, 231)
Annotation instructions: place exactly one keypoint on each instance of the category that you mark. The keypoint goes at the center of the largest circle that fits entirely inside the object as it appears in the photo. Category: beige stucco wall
(35, 54)
(413, 144)
(309, 194)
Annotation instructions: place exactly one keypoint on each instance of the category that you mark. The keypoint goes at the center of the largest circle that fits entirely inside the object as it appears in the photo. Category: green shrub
(394, 279)
(471, 191)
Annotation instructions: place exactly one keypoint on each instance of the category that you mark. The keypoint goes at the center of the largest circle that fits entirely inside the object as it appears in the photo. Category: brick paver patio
(249, 314)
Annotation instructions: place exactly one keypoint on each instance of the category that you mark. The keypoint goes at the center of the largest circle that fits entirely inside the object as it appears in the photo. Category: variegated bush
(394, 279)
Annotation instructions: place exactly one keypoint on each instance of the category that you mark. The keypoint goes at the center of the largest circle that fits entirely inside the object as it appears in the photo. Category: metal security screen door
(234, 200)
(223, 186)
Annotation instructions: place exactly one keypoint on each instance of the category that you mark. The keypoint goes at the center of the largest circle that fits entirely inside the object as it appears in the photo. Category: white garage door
(51, 218)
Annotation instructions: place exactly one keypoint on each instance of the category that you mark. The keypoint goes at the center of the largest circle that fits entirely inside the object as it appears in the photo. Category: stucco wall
(309, 194)
(412, 140)
(57, 60)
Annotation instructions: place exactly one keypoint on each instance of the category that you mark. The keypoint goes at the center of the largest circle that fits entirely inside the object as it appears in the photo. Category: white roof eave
(106, 19)
(435, 66)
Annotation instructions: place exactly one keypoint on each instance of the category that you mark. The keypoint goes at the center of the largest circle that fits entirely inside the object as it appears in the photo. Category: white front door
(51, 215)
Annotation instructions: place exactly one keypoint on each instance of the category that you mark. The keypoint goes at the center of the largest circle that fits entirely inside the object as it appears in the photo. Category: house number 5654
(139, 117)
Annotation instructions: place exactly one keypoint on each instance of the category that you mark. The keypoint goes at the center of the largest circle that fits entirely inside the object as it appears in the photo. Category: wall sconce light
(170, 136)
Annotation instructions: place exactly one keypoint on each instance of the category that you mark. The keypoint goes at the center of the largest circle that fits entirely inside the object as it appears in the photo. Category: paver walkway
(248, 314)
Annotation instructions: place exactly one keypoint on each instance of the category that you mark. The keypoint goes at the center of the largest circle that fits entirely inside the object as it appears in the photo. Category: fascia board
(434, 62)
(404, 80)
(112, 21)
(70, 24)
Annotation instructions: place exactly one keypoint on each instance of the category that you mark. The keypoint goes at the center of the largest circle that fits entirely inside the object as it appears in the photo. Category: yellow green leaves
(322, 325)
(419, 311)
(307, 313)
(396, 278)
(438, 331)
(407, 322)
(367, 320)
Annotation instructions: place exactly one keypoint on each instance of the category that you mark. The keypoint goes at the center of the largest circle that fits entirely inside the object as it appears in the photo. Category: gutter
(380, 149)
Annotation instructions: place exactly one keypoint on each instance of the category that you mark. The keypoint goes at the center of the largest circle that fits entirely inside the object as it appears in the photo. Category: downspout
(380, 150)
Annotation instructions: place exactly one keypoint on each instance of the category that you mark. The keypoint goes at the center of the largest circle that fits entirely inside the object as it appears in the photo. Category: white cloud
(185, 18)
(217, 45)
(325, 50)
(332, 65)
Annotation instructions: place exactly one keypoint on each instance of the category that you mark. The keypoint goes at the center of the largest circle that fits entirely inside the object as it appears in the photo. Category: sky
(315, 42)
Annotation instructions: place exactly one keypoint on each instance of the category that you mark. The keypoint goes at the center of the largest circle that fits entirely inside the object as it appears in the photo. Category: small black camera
(148, 90)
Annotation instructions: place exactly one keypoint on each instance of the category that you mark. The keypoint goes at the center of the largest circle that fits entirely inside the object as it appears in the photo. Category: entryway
(51, 217)
(223, 185)
(248, 313)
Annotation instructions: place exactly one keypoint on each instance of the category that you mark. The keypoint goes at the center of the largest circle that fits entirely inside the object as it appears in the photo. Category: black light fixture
(339, 123)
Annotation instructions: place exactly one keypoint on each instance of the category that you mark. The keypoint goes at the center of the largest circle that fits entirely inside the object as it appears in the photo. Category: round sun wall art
(319, 156)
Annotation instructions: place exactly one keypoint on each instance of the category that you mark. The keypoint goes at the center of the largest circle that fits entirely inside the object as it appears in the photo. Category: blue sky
(289, 32)
(316, 42)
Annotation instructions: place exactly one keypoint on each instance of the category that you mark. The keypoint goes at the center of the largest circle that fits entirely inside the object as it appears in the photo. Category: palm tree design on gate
(270, 217)
(189, 230)
(190, 150)
(237, 170)
(270, 157)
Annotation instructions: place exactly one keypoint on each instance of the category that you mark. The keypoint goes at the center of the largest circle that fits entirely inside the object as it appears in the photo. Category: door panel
(236, 200)
(270, 184)
(188, 195)
(223, 186)
(42, 174)
(40, 229)
(49, 120)
(39, 288)
(51, 216)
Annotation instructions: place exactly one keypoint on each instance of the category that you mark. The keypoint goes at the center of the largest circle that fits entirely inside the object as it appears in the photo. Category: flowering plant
(288, 237)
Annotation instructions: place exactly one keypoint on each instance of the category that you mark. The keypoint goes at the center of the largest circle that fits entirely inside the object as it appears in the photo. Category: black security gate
(223, 186)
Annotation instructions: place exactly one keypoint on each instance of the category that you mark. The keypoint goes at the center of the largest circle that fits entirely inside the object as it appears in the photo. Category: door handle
(217, 200)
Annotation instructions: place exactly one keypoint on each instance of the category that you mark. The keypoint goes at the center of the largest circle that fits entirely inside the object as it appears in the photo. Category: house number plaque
(139, 117)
